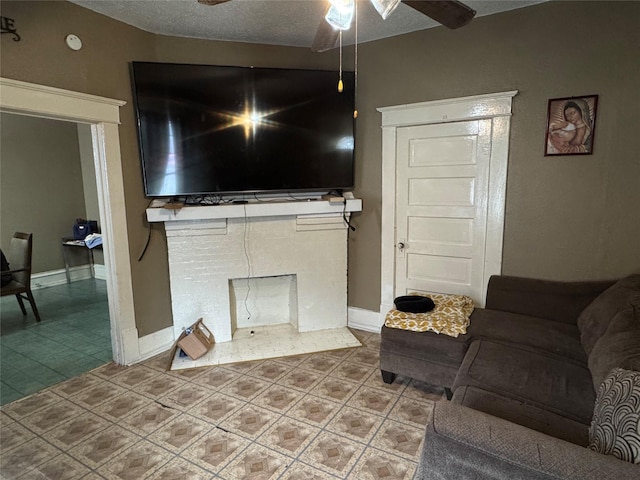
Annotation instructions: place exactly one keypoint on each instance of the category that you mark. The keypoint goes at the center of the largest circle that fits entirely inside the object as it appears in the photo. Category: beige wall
(567, 217)
(41, 189)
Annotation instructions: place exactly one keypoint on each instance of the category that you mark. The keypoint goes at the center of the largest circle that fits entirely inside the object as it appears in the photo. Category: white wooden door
(442, 179)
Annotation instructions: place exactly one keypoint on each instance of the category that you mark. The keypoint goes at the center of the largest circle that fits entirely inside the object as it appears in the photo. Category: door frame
(497, 107)
(103, 115)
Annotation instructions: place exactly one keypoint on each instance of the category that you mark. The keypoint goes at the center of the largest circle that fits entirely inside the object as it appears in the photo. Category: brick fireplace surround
(268, 278)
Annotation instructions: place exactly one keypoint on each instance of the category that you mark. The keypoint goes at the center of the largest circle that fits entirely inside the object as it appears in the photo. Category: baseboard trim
(155, 343)
(51, 278)
(362, 319)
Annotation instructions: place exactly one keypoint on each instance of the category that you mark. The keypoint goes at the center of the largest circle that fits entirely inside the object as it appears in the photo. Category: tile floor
(73, 337)
(324, 415)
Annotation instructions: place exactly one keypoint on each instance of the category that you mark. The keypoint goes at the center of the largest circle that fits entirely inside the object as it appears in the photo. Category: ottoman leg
(388, 377)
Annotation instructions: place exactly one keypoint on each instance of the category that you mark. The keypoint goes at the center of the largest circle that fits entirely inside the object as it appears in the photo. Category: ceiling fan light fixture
(385, 7)
(340, 14)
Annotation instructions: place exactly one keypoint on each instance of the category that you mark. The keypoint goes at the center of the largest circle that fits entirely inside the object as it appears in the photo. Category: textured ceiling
(275, 22)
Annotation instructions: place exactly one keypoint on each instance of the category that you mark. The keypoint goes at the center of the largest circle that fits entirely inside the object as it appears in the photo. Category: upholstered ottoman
(431, 358)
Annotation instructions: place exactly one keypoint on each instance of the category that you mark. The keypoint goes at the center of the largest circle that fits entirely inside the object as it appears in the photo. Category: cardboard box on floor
(195, 341)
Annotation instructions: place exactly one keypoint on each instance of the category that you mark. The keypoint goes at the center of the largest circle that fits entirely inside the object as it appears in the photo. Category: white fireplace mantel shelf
(253, 209)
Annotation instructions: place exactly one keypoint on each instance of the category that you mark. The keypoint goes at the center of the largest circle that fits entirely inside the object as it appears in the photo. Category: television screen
(220, 129)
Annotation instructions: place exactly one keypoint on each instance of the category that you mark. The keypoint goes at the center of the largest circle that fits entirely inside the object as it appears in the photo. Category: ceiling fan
(450, 13)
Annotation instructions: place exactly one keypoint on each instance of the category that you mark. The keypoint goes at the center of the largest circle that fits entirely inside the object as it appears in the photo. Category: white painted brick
(202, 265)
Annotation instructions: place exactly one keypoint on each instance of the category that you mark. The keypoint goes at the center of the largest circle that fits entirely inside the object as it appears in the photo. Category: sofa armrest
(550, 299)
(462, 443)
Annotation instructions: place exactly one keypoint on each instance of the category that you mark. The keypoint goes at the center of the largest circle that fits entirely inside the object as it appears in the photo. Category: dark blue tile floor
(73, 337)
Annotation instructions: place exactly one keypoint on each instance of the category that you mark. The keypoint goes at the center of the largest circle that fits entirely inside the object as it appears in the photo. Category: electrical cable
(246, 254)
(146, 245)
(344, 216)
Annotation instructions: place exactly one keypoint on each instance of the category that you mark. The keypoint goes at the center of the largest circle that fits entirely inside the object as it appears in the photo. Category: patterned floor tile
(378, 402)
(377, 465)
(355, 424)
(375, 381)
(270, 370)
(335, 389)
(122, 406)
(159, 362)
(399, 439)
(13, 434)
(98, 394)
(320, 363)
(103, 446)
(410, 410)
(250, 422)
(289, 436)
(185, 397)
(216, 408)
(76, 430)
(353, 371)
(32, 404)
(180, 469)
(62, 467)
(315, 410)
(332, 453)
(292, 361)
(243, 367)
(278, 398)
(160, 386)
(77, 385)
(149, 418)
(424, 391)
(215, 450)
(110, 370)
(52, 416)
(216, 377)
(299, 471)
(256, 463)
(301, 379)
(136, 463)
(132, 377)
(26, 457)
(317, 416)
(179, 433)
(245, 388)
(366, 356)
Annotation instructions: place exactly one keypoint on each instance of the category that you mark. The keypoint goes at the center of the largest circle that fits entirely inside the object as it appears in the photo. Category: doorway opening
(102, 116)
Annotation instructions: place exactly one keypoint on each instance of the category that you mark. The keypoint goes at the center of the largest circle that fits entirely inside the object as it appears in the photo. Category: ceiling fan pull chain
(355, 65)
(340, 85)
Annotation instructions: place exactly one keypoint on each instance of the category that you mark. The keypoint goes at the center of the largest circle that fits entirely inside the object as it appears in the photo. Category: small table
(71, 243)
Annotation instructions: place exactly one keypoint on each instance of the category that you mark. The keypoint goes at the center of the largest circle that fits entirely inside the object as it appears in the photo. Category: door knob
(401, 246)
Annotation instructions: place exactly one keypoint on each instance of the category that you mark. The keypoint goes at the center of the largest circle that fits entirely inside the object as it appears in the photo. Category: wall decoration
(8, 26)
(571, 123)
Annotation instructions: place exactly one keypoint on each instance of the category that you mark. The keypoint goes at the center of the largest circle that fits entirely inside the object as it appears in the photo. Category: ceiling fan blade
(212, 2)
(450, 13)
(326, 37)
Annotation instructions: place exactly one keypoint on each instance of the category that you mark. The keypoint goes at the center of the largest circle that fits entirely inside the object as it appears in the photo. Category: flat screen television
(207, 129)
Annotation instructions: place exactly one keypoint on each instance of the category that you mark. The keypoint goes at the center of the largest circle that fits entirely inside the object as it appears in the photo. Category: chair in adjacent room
(19, 258)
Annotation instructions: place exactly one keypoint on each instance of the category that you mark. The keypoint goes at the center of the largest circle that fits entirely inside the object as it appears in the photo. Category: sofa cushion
(548, 335)
(594, 320)
(615, 429)
(522, 413)
(531, 376)
(618, 347)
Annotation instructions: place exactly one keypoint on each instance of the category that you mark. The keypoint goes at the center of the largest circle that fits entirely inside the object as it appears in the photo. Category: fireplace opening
(263, 301)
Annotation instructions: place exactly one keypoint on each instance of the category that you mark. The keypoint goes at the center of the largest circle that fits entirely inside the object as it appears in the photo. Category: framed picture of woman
(571, 124)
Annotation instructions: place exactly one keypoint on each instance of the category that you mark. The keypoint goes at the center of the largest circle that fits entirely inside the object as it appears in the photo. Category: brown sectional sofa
(528, 367)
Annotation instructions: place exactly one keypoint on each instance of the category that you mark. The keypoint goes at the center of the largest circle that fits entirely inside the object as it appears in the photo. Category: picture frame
(571, 124)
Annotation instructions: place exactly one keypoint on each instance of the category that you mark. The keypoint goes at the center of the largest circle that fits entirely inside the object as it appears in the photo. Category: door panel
(441, 207)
